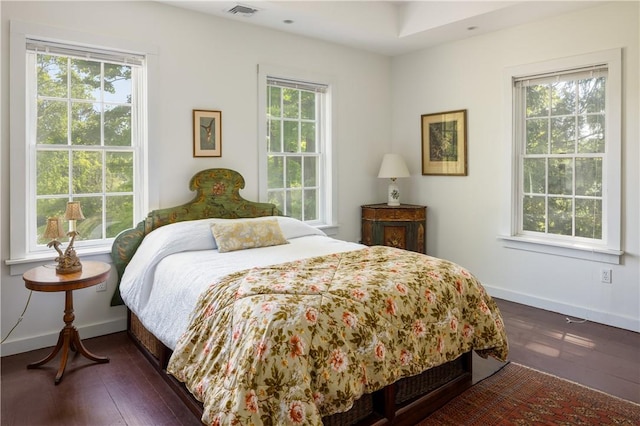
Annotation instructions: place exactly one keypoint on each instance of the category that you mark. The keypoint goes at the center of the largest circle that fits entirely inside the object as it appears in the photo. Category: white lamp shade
(393, 166)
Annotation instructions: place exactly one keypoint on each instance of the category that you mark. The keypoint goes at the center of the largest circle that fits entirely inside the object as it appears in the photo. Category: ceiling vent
(241, 10)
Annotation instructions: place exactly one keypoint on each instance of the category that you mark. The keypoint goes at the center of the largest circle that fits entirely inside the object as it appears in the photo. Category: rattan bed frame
(405, 402)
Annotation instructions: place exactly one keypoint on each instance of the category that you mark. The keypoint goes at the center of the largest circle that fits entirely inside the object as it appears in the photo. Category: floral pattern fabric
(291, 343)
(244, 234)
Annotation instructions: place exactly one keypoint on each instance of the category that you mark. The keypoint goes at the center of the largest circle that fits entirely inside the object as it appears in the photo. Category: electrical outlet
(605, 275)
(102, 286)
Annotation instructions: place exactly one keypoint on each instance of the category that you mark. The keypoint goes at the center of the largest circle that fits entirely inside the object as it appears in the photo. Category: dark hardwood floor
(128, 391)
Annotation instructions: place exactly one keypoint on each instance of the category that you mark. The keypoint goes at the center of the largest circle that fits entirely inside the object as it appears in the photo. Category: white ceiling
(387, 27)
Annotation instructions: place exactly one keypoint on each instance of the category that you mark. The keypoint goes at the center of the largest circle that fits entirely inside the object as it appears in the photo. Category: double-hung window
(296, 148)
(83, 141)
(566, 145)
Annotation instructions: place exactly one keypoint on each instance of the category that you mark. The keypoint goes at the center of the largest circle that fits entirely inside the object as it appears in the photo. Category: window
(78, 134)
(296, 149)
(566, 145)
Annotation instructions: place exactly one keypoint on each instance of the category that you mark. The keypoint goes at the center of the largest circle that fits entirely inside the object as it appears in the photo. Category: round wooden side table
(45, 278)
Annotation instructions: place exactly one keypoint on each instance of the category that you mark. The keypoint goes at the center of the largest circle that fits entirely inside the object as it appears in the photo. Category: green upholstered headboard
(217, 195)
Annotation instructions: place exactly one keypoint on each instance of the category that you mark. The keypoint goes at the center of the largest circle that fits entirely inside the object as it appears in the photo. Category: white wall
(204, 63)
(464, 212)
(210, 63)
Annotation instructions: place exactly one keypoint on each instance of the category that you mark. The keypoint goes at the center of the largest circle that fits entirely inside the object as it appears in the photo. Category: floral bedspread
(291, 343)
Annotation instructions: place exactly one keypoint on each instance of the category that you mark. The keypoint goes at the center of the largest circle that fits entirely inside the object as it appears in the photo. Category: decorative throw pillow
(240, 235)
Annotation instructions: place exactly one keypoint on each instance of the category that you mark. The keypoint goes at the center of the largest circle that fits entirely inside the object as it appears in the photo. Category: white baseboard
(577, 312)
(45, 340)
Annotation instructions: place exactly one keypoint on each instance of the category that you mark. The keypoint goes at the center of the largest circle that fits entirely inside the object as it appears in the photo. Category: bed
(256, 318)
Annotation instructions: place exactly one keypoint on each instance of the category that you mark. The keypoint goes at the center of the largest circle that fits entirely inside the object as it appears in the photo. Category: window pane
(277, 198)
(293, 127)
(73, 118)
(119, 172)
(291, 102)
(310, 171)
(87, 172)
(294, 204)
(308, 136)
(52, 76)
(589, 218)
(310, 204)
(291, 136)
(90, 228)
(117, 125)
(294, 172)
(85, 123)
(273, 105)
(591, 133)
(52, 172)
(275, 172)
(560, 134)
(533, 214)
(589, 176)
(46, 208)
(52, 122)
(537, 136)
(560, 176)
(274, 136)
(85, 79)
(563, 98)
(117, 83)
(534, 175)
(119, 214)
(591, 94)
(308, 101)
(563, 131)
(560, 216)
(537, 101)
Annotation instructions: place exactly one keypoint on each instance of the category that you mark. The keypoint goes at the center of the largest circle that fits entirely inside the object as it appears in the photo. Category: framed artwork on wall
(207, 133)
(444, 143)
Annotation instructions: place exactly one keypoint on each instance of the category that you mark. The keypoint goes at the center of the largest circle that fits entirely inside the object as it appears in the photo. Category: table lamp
(68, 261)
(53, 231)
(393, 167)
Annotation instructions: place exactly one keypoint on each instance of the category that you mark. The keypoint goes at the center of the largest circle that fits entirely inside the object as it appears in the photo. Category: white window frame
(22, 256)
(609, 248)
(327, 173)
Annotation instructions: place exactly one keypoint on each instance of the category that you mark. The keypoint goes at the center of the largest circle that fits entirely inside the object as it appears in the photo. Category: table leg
(79, 347)
(52, 354)
(69, 338)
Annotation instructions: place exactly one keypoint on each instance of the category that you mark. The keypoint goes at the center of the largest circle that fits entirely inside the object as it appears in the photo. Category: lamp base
(68, 264)
(70, 270)
(393, 194)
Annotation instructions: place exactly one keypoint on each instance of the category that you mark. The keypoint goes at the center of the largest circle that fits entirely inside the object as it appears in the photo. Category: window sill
(22, 265)
(330, 230)
(592, 253)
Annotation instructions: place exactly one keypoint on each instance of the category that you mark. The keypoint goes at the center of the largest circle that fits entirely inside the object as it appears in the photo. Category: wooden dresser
(402, 226)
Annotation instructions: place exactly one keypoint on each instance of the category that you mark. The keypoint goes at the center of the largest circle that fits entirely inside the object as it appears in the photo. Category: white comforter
(176, 262)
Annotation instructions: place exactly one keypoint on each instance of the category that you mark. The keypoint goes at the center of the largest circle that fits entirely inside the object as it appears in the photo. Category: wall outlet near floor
(102, 286)
(605, 275)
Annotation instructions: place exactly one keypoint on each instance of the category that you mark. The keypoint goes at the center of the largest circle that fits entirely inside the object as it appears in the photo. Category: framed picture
(444, 143)
(207, 133)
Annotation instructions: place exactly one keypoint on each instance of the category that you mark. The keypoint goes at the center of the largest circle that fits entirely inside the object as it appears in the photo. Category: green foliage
(292, 176)
(84, 106)
(562, 188)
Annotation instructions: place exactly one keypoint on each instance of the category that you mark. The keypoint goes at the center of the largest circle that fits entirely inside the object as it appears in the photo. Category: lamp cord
(19, 319)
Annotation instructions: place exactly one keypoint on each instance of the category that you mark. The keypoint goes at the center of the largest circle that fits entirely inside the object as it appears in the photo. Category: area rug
(518, 395)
